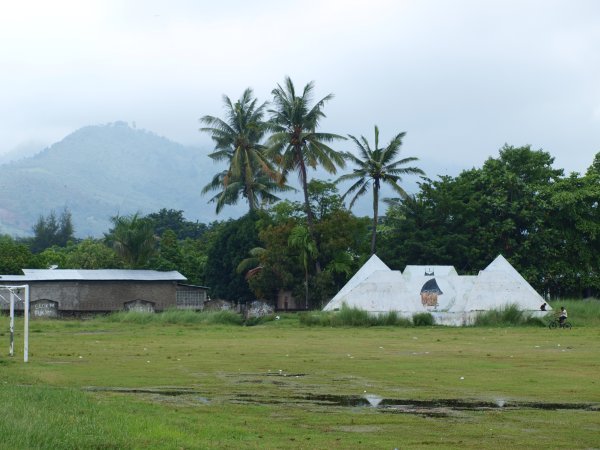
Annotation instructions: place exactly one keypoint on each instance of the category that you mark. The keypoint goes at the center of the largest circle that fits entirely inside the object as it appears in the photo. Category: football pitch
(101, 384)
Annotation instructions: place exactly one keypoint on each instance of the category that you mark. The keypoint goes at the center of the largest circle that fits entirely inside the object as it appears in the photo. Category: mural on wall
(429, 294)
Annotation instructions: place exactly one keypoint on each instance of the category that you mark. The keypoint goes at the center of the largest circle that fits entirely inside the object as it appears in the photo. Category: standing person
(562, 316)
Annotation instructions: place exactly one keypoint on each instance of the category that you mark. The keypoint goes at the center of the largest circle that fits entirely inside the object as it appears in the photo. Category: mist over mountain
(100, 171)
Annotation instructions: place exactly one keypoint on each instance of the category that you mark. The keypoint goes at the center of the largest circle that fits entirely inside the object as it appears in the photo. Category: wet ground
(432, 408)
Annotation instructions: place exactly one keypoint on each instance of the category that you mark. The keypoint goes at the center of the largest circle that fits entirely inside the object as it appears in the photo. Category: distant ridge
(101, 171)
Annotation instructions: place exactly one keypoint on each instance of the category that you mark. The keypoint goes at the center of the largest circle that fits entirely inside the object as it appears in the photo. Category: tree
(516, 205)
(341, 239)
(171, 219)
(87, 254)
(238, 141)
(14, 256)
(229, 247)
(295, 143)
(301, 240)
(52, 230)
(132, 237)
(376, 166)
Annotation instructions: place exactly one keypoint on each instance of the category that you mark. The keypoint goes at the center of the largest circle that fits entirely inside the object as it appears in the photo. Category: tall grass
(176, 316)
(581, 312)
(351, 317)
(423, 320)
(510, 315)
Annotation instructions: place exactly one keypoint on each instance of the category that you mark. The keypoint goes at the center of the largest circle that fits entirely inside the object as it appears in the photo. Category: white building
(452, 299)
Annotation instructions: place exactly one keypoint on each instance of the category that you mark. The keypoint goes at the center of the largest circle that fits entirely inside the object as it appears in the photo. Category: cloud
(462, 77)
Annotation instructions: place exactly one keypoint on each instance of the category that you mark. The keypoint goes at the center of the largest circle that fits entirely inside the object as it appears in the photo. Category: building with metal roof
(60, 292)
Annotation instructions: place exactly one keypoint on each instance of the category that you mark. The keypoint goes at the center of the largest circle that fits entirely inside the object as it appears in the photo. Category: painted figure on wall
(429, 293)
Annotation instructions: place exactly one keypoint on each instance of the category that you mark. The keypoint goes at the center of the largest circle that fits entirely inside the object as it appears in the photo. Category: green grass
(351, 317)
(511, 315)
(176, 316)
(581, 312)
(243, 387)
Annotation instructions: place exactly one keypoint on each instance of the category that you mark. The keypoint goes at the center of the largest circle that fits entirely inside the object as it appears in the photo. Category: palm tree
(295, 144)
(237, 140)
(375, 166)
(132, 237)
(301, 240)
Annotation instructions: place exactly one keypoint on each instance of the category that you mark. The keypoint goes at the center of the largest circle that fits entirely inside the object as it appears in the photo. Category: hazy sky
(460, 77)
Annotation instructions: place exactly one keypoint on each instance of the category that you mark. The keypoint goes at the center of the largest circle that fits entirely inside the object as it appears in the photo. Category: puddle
(283, 374)
(175, 396)
(408, 405)
(159, 391)
(429, 408)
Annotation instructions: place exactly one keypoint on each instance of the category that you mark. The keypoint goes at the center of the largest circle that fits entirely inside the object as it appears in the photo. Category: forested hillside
(100, 171)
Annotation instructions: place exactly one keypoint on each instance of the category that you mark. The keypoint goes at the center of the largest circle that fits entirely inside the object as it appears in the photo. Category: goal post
(14, 295)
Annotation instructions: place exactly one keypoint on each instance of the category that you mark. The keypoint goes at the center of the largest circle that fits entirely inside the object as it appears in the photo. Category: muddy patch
(426, 408)
(173, 396)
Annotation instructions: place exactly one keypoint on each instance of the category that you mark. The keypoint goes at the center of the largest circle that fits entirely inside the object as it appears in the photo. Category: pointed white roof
(372, 265)
(381, 292)
(376, 288)
(499, 285)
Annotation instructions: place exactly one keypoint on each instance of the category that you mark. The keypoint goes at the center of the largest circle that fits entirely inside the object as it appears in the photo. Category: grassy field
(114, 383)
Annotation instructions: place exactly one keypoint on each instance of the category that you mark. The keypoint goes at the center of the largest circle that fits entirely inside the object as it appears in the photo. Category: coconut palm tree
(295, 144)
(375, 166)
(238, 141)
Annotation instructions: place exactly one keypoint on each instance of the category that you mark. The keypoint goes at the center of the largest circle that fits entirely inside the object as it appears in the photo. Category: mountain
(100, 171)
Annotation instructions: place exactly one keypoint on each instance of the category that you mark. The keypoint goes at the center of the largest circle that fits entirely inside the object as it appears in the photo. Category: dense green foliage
(170, 219)
(14, 256)
(52, 230)
(133, 238)
(233, 242)
(517, 205)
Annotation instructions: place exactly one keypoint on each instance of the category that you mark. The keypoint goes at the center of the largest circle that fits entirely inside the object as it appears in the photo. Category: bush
(423, 320)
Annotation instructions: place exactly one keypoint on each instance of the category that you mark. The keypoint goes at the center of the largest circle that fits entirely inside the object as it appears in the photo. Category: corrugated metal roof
(94, 275)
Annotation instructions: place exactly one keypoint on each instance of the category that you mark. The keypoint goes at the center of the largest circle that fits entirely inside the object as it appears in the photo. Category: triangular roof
(381, 291)
(376, 288)
(373, 264)
(499, 285)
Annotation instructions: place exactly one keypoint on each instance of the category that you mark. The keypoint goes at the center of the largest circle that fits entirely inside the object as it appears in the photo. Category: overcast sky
(460, 77)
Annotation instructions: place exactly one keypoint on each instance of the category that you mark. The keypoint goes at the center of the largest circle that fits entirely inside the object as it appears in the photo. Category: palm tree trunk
(375, 214)
(309, 214)
(306, 290)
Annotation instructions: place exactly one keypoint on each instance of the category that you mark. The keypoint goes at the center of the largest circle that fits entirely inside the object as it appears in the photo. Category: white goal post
(14, 294)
